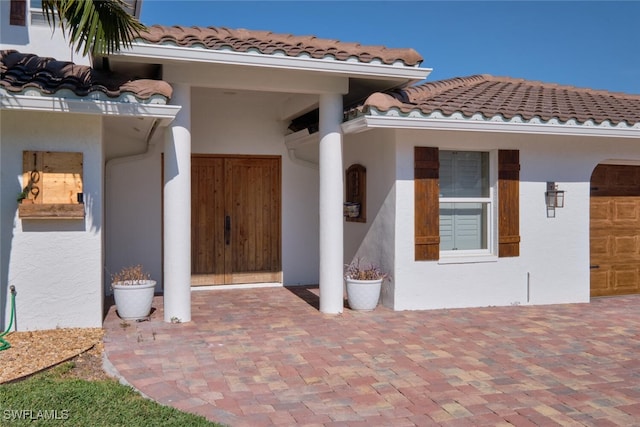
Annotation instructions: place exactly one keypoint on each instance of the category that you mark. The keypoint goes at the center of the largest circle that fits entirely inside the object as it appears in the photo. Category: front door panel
(207, 221)
(236, 220)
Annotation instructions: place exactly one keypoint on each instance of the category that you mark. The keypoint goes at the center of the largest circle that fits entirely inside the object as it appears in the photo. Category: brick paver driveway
(257, 357)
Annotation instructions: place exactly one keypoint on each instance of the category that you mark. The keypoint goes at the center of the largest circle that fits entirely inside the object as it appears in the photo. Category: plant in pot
(363, 284)
(133, 292)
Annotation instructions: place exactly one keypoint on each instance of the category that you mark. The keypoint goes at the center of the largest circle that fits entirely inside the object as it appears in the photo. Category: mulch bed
(35, 351)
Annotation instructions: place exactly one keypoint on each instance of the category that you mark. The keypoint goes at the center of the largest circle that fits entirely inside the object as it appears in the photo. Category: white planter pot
(133, 302)
(363, 294)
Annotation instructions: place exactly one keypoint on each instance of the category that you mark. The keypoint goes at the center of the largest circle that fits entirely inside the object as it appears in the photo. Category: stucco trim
(166, 113)
(436, 121)
(172, 53)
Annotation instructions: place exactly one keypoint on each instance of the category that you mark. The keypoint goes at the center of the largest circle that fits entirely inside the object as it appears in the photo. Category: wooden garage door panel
(600, 247)
(620, 279)
(600, 282)
(615, 230)
(600, 209)
(625, 247)
(625, 210)
(615, 180)
(624, 279)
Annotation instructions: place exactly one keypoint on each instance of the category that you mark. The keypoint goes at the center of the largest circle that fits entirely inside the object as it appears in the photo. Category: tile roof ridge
(267, 42)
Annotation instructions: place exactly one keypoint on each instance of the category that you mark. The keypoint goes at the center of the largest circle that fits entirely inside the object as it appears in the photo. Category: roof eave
(366, 122)
(164, 113)
(166, 53)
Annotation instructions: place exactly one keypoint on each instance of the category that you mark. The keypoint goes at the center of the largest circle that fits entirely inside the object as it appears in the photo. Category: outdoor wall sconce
(355, 207)
(554, 198)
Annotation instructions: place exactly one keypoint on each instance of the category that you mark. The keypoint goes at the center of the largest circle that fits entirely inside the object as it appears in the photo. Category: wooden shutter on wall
(18, 12)
(427, 205)
(508, 203)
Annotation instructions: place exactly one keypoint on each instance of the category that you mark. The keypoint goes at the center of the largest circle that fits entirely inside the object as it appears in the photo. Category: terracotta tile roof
(266, 42)
(491, 96)
(20, 72)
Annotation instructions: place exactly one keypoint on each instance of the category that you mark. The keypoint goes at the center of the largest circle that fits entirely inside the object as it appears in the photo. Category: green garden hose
(4, 344)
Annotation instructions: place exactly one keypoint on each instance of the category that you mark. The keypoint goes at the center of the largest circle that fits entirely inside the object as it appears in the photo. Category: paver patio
(261, 357)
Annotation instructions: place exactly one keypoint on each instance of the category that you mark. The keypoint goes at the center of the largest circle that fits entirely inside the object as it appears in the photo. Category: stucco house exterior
(223, 158)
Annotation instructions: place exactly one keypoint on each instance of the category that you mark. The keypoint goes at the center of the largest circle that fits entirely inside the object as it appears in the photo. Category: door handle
(594, 266)
(227, 230)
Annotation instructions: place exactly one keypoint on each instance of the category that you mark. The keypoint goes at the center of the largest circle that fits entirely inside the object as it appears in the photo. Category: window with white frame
(465, 201)
(35, 9)
(458, 212)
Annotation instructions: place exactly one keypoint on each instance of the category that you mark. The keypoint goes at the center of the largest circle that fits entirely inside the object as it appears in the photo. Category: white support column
(177, 210)
(331, 195)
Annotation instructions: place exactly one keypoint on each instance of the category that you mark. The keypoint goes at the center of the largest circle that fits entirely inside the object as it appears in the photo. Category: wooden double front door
(235, 219)
(615, 230)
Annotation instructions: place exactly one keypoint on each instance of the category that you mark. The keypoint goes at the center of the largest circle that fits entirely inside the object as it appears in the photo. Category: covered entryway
(615, 230)
(235, 219)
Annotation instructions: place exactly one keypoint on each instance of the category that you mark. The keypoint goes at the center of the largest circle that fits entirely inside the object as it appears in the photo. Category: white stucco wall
(55, 265)
(222, 123)
(36, 37)
(553, 266)
(133, 229)
(374, 240)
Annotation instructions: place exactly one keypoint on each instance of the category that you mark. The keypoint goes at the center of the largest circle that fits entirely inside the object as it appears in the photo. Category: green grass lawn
(51, 398)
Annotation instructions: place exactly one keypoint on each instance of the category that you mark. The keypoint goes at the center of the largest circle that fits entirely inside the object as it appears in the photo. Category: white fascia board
(254, 79)
(356, 125)
(300, 138)
(363, 123)
(193, 54)
(166, 113)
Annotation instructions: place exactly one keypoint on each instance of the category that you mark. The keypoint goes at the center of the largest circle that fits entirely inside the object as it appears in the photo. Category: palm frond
(96, 26)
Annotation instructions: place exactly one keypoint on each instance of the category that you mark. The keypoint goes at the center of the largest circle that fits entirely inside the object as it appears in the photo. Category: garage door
(615, 230)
